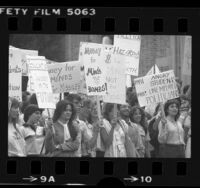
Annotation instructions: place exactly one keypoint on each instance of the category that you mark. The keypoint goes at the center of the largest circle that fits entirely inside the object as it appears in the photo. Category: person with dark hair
(133, 131)
(92, 128)
(153, 131)
(16, 142)
(112, 133)
(32, 115)
(171, 133)
(137, 116)
(85, 137)
(63, 137)
(185, 89)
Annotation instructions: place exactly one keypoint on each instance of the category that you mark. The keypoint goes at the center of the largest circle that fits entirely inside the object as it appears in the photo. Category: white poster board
(129, 47)
(65, 77)
(94, 68)
(40, 82)
(115, 77)
(15, 75)
(156, 88)
(23, 53)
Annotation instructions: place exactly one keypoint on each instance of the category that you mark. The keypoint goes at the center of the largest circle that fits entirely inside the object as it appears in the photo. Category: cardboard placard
(129, 47)
(65, 77)
(156, 88)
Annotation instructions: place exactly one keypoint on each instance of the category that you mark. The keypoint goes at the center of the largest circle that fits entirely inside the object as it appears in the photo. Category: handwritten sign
(115, 77)
(156, 88)
(35, 64)
(65, 77)
(46, 100)
(15, 75)
(83, 88)
(94, 68)
(23, 53)
(129, 47)
(187, 60)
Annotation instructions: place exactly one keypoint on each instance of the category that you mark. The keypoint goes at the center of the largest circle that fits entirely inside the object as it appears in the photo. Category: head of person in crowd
(13, 112)
(157, 109)
(172, 109)
(179, 84)
(66, 113)
(137, 115)
(76, 100)
(133, 100)
(185, 103)
(65, 95)
(25, 96)
(108, 111)
(33, 99)
(124, 110)
(185, 89)
(32, 115)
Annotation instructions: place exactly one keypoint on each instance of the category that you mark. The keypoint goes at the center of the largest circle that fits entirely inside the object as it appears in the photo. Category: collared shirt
(16, 142)
(66, 130)
(85, 137)
(171, 133)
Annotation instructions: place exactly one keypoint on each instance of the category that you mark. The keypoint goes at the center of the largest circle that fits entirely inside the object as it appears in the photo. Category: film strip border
(95, 171)
(94, 20)
(92, 171)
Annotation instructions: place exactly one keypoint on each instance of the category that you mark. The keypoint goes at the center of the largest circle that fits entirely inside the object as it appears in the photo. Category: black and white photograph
(99, 96)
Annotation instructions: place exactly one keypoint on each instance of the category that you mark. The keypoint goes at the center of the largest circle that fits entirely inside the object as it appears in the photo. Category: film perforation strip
(110, 24)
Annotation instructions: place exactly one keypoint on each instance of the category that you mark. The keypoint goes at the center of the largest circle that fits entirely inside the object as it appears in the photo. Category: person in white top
(85, 137)
(112, 134)
(171, 133)
(16, 142)
(32, 114)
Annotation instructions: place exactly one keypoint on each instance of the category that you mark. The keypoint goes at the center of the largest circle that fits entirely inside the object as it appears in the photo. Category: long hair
(107, 109)
(60, 108)
(168, 103)
(14, 103)
(143, 122)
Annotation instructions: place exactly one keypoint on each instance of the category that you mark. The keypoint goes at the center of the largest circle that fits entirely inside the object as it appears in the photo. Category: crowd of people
(76, 130)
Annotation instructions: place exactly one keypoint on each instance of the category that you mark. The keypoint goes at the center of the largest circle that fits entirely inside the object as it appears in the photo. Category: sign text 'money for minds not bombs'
(156, 88)
(65, 77)
(94, 67)
(15, 75)
(129, 47)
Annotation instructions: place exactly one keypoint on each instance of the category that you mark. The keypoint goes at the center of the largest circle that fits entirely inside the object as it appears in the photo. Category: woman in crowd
(153, 130)
(63, 137)
(32, 114)
(171, 133)
(137, 116)
(133, 131)
(112, 134)
(16, 142)
(77, 102)
(88, 147)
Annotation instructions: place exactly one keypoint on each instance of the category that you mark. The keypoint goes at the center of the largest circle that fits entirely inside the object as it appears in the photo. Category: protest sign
(129, 47)
(153, 70)
(94, 68)
(115, 78)
(156, 88)
(83, 88)
(46, 100)
(65, 77)
(15, 74)
(34, 63)
(187, 58)
(23, 53)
